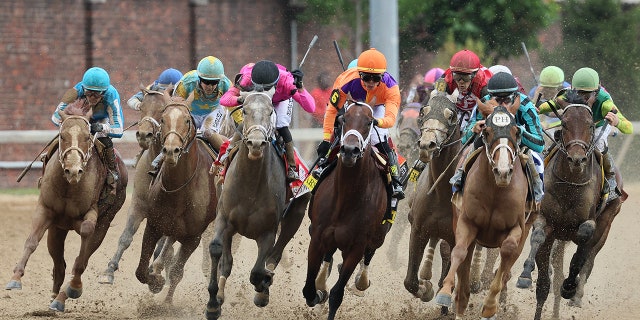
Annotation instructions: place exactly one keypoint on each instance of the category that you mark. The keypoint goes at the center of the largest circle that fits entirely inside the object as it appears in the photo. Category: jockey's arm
(305, 99)
(624, 125)
(531, 129)
(391, 106)
(336, 101)
(469, 129)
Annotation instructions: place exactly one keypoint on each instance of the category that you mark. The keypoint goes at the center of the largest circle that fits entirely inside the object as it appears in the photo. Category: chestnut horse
(252, 204)
(570, 209)
(69, 200)
(431, 212)
(346, 213)
(492, 212)
(182, 199)
(148, 136)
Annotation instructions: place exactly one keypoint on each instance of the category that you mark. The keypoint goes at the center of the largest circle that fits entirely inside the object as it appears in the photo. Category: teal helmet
(210, 68)
(95, 79)
(353, 64)
(551, 76)
(585, 79)
(168, 76)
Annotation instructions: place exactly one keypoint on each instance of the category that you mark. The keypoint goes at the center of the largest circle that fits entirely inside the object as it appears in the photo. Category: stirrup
(398, 193)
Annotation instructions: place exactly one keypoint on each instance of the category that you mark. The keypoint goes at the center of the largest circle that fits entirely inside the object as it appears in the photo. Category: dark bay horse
(252, 203)
(148, 136)
(346, 213)
(69, 200)
(431, 213)
(182, 198)
(408, 131)
(492, 212)
(570, 209)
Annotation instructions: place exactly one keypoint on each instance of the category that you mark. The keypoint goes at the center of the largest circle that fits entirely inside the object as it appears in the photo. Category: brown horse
(431, 213)
(346, 213)
(408, 131)
(148, 136)
(69, 200)
(492, 212)
(571, 208)
(252, 203)
(182, 198)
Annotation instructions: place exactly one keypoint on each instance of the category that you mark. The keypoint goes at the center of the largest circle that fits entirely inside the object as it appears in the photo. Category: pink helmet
(432, 75)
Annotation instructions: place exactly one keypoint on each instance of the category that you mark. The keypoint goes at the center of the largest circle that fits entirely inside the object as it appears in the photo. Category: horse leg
(475, 273)
(543, 284)
(221, 243)
(362, 281)
(155, 282)
(488, 272)
(312, 294)
(445, 256)
(584, 241)
(261, 277)
(510, 249)
(537, 238)
(163, 256)
(88, 245)
(349, 262)
(207, 237)
(176, 272)
(422, 289)
(133, 223)
(557, 264)
(55, 244)
(463, 289)
(288, 228)
(39, 225)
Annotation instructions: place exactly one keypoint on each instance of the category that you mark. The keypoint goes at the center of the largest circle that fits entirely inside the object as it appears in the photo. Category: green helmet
(95, 79)
(585, 79)
(210, 68)
(551, 76)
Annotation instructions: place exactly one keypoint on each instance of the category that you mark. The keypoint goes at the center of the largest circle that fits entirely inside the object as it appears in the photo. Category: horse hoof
(261, 299)
(357, 292)
(425, 292)
(575, 302)
(444, 311)
(106, 278)
(475, 286)
(524, 283)
(73, 293)
(568, 290)
(56, 306)
(443, 300)
(156, 283)
(212, 314)
(14, 285)
(323, 296)
(490, 318)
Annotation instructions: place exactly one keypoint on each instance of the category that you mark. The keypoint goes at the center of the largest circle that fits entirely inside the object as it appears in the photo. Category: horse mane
(78, 108)
(573, 97)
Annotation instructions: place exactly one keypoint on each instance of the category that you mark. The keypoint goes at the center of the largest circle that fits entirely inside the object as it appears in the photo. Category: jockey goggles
(93, 93)
(465, 77)
(367, 77)
(505, 99)
(212, 82)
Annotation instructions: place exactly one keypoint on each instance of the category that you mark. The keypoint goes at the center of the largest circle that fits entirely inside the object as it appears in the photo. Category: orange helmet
(372, 61)
(464, 61)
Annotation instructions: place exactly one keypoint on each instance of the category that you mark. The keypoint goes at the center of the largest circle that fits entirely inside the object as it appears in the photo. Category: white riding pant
(284, 111)
(210, 122)
(378, 133)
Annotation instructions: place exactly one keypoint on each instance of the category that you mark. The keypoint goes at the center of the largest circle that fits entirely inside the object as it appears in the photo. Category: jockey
(551, 82)
(501, 68)
(503, 90)
(167, 77)
(368, 82)
(207, 84)
(587, 82)
(107, 118)
(262, 76)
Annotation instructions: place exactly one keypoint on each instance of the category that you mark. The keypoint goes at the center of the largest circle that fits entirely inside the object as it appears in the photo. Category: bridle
(501, 122)
(265, 131)
(449, 133)
(85, 154)
(588, 147)
(189, 138)
(155, 125)
(363, 142)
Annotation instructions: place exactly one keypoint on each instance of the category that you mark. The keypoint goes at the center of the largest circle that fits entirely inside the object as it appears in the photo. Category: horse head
(408, 130)
(151, 109)
(501, 138)
(75, 142)
(357, 124)
(577, 130)
(258, 121)
(177, 127)
(438, 123)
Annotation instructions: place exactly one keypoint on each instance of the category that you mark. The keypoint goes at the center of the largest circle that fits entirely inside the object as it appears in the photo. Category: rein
(267, 132)
(85, 155)
(186, 142)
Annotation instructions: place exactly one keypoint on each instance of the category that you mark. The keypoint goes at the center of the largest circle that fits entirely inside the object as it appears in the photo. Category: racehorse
(431, 212)
(70, 200)
(346, 213)
(182, 198)
(571, 209)
(492, 212)
(252, 203)
(408, 131)
(148, 136)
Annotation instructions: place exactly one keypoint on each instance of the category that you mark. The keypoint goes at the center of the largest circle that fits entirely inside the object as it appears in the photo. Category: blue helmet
(210, 68)
(353, 64)
(169, 76)
(95, 79)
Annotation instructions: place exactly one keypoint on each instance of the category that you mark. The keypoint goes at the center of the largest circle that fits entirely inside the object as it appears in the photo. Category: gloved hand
(96, 127)
(297, 78)
(323, 148)
(240, 100)
(375, 122)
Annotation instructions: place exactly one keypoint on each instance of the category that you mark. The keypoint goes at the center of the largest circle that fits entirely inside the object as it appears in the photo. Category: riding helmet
(210, 68)
(265, 74)
(551, 76)
(502, 84)
(464, 61)
(95, 79)
(585, 79)
(372, 61)
(168, 76)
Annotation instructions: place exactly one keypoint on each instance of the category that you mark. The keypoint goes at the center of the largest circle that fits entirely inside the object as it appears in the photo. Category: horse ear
(169, 90)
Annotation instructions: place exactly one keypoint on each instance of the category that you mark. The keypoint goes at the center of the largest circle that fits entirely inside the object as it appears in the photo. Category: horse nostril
(149, 135)
(432, 145)
(176, 150)
(66, 171)
(80, 171)
(137, 134)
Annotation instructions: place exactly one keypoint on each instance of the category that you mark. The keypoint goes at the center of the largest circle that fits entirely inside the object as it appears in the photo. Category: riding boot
(536, 182)
(155, 165)
(292, 166)
(110, 160)
(457, 180)
(398, 192)
(609, 175)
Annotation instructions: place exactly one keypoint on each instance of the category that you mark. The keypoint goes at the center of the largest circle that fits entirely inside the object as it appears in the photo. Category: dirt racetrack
(611, 293)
